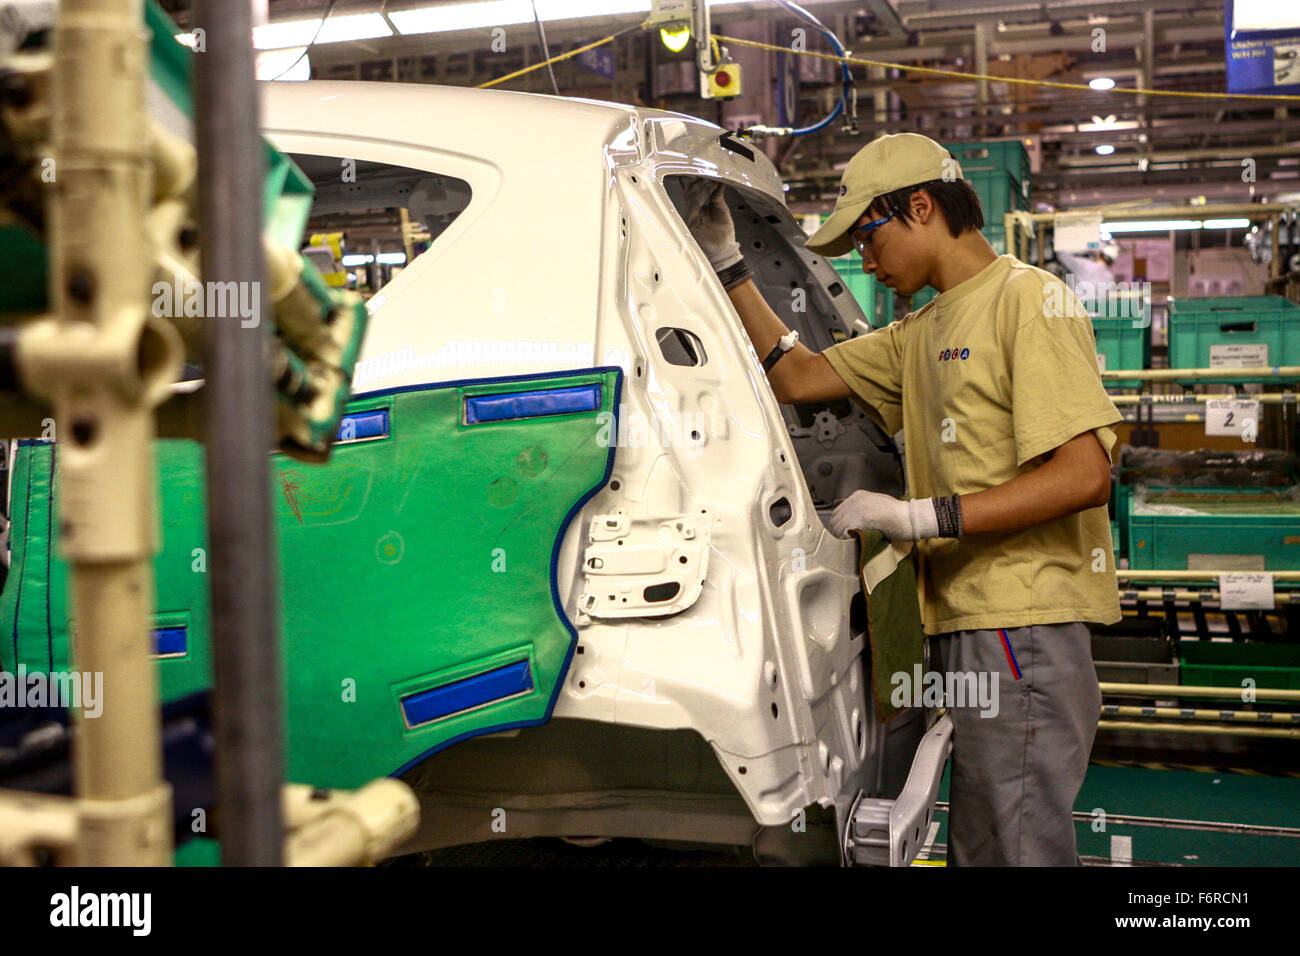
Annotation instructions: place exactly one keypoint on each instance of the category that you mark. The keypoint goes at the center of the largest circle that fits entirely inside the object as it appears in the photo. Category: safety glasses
(862, 235)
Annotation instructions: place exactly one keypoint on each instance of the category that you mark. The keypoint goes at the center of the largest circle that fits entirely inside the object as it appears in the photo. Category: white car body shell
(571, 255)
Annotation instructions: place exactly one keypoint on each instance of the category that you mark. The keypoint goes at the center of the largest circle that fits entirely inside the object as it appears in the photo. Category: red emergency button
(722, 78)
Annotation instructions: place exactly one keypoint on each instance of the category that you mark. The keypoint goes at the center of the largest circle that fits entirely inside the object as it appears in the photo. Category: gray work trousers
(1016, 774)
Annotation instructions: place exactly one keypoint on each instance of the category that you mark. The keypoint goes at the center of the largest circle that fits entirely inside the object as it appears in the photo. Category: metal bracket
(648, 566)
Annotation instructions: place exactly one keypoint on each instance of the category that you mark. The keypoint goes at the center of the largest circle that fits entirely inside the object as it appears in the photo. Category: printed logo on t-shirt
(950, 355)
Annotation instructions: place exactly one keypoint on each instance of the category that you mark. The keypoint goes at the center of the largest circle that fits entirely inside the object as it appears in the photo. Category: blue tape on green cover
(361, 425)
(462, 695)
(169, 640)
(552, 401)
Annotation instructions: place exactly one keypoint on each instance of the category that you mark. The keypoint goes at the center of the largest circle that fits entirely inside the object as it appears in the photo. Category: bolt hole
(83, 430)
(614, 485)
(774, 710)
(742, 770)
(682, 559)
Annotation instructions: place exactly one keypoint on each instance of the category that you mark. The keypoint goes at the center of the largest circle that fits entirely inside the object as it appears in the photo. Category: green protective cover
(407, 562)
(894, 625)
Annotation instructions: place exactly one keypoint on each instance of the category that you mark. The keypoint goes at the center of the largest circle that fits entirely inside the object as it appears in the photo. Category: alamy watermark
(212, 300)
(1103, 299)
(83, 690)
(978, 689)
(635, 430)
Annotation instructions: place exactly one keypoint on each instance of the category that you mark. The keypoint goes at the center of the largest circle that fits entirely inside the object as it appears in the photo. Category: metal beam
(242, 569)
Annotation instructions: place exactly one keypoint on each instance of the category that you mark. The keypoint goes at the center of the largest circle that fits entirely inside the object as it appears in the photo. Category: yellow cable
(1049, 84)
(554, 59)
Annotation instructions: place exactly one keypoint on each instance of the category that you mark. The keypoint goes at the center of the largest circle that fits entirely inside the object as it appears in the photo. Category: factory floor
(1162, 816)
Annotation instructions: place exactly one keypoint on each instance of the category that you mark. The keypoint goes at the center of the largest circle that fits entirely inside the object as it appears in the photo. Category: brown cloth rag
(893, 621)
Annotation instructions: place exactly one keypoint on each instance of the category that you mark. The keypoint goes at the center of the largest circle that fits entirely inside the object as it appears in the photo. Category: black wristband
(948, 511)
(733, 276)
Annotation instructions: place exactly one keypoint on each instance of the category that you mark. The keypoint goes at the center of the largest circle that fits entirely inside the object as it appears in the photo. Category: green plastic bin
(1121, 324)
(1009, 156)
(999, 193)
(1216, 331)
(1224, 664)
(1259, 524)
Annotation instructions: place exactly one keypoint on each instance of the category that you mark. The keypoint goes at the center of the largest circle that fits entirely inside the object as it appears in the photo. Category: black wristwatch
(784, 344)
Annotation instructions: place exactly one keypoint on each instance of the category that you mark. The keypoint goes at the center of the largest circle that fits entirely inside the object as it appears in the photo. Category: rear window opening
(369, 221)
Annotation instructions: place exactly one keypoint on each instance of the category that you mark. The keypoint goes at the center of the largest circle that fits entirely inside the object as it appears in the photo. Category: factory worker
(1008, 435)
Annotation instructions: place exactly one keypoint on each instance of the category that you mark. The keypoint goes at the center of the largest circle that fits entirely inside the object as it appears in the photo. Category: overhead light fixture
(675, 38)
(357, 26)
(385, 258)
(503, 13)
(1175, 225)
(1101, 83)
(445, 17)
(288, 64)
(1105, 149)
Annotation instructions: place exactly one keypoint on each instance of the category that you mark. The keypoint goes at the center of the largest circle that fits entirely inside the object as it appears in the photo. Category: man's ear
(922, 204)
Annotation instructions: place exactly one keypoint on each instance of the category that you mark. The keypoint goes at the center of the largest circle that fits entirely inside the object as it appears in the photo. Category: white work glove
(908, 520)
(709, 221)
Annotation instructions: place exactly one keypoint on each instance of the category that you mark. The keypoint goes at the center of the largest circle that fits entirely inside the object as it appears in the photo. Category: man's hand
(908, 520)
(710, 224)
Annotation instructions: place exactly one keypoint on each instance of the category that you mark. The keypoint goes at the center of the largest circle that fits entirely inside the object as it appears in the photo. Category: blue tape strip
(551, 401)
(429, 705)
(169, 640)
(359, 425)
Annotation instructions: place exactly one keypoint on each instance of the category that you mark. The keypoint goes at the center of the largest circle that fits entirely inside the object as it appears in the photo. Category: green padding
(27, 613)
(406, 562)
(893, 623)
(36, 591)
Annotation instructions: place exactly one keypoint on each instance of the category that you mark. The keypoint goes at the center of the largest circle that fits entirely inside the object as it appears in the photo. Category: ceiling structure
(1164, 147)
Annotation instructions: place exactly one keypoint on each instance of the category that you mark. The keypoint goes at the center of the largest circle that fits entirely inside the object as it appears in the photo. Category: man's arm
(802, 375)
(1074, 478)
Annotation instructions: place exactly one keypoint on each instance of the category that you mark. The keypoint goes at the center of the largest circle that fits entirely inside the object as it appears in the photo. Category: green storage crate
(1213, 331)
(877, 300)
(1122, 327)
(1224, 664)
(1008, 155)
(999, 193)
(1252, 528)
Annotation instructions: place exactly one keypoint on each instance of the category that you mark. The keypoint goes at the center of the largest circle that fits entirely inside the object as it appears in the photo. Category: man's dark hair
(957, 200)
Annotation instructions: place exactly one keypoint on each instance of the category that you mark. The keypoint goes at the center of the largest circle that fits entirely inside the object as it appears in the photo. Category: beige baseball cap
(883, 165)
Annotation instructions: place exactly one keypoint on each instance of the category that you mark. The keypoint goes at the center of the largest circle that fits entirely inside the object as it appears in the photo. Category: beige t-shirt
(984, 380)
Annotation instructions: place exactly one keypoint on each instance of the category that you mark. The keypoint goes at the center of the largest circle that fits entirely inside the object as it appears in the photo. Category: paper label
(1077, 233)
(1242, 592)
(1238, 356)
(1101, 361)
(1229, 416)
